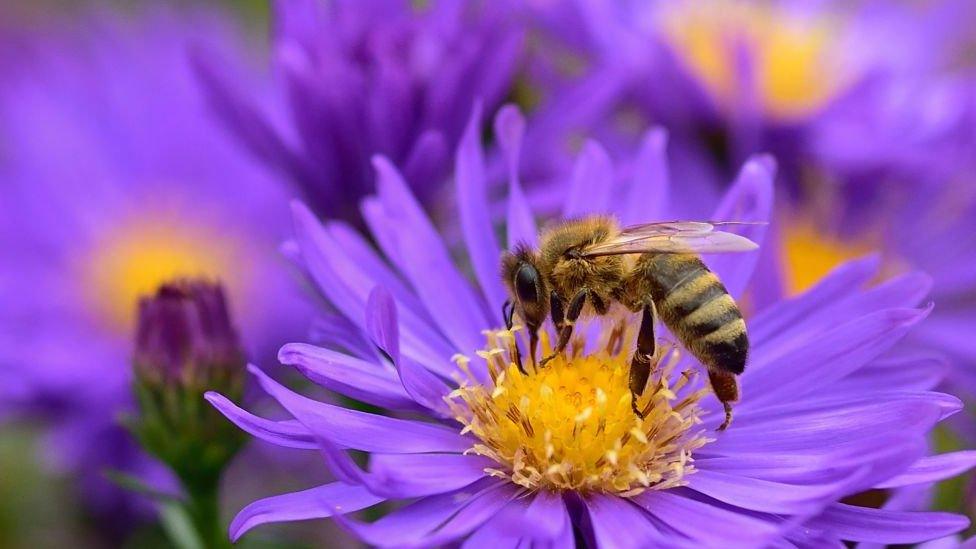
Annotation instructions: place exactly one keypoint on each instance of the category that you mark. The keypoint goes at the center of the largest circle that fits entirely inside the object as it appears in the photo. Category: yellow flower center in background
(140, 258)
(570, 425)
(794, 73)
(810, 254)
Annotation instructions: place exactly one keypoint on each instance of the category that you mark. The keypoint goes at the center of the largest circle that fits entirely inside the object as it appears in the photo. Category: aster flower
(865, 105)
(362, 78)
(115, 182)
(489, 456)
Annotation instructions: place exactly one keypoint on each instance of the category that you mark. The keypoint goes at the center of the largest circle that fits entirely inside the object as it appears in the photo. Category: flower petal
(824, 359)
(360, 430)
(751, 200)
(348, 287)
(833, 423)
(319, 502)
(415, 475)
(510, 128)
(648, 194)
(435, 520)
(883, 526)
(710, 525)
(842, 281)
(763, 495)
(289, 433)
(417, 249)
(472, 202)
(592, 183)
(426, 161)
(543, 518)
(617, 522)
(422, 386)
(933, 469)
(352, 377)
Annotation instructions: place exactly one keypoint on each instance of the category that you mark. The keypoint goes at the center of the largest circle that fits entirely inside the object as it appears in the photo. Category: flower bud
(185, 335)
(186, 345)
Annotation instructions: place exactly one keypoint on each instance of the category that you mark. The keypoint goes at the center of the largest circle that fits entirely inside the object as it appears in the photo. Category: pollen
(571, 425)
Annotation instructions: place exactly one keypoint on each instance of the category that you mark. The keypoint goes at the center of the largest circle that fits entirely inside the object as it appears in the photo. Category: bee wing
(675, 237)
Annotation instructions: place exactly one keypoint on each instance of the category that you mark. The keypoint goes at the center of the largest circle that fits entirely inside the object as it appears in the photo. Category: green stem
(204, 509)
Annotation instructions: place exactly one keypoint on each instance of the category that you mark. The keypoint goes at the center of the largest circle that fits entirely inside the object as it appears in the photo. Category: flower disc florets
(570, 425)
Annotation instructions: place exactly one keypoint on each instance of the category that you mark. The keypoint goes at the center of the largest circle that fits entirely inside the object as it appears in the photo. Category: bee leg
(508, 313)
(640, 364)
(726, 389)
(566, 330)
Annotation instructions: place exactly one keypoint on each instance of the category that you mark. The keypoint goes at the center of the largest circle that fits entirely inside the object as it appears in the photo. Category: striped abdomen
(696, 307)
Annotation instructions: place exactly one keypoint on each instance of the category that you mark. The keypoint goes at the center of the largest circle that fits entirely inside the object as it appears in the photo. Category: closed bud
(186, 344)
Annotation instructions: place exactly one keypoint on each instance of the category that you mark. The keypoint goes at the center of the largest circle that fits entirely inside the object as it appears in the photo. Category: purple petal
(319, 502)
(818, 466)
(750, 199)
(472, 201)
(842, 281)
(933, 469)
(710, 525)
(904, 291)
(421, 255)
(435, 520)
(543, 518)
(883, 526)
(362, 431)
(352, 377)
(510, 128)
(426, 162)
(422, 386)
(358, 251)
(289, 433)
(763, 495)
(245, 121)
(592, 183)
(647, 196)
(415, 475)
(348, 288)
(827, 357)
(617, 522)
(831, 422)
(909, 373)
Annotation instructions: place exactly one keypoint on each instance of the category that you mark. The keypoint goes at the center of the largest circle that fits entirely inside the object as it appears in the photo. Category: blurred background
(195, 107)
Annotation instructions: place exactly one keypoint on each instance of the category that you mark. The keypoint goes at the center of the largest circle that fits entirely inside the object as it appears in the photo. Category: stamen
(570, 425)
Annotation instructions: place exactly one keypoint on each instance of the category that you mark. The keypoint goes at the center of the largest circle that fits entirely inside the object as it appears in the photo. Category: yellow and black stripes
(696, 307)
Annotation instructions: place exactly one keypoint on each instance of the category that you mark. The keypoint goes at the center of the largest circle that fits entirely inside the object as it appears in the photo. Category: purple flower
(361, 78)
(115, 182)
(481, 453)
(866, 107)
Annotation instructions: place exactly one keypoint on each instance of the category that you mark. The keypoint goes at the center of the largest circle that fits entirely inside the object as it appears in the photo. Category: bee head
(526, 286)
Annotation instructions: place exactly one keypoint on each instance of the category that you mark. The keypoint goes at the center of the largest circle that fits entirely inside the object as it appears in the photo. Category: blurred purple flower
(823, 415)
(116, 181)
(868, 108)
(386, 77)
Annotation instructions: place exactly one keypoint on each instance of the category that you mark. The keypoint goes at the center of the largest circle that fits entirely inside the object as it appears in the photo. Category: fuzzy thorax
(570, 425)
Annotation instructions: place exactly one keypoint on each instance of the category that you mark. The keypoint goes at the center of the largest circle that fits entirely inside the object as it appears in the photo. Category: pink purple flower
(361, 78)
(827, 411)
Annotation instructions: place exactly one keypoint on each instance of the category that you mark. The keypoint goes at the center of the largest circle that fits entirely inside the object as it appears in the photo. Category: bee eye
(527, 283)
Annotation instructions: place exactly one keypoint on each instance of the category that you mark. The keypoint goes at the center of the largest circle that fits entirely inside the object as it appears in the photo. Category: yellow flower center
(570, 425)
(810, 254)
(140, 258)
(794, 71)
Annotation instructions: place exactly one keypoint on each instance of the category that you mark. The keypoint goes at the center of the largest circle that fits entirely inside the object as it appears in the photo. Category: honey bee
(584, 266)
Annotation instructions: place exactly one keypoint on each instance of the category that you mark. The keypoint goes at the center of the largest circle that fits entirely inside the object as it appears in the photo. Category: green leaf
(178, 526)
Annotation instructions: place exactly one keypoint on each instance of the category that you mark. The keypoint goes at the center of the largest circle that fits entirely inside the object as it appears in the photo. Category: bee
(583, 266)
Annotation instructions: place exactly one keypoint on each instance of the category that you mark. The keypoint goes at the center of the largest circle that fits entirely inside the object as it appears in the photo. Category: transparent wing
(675, 237)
